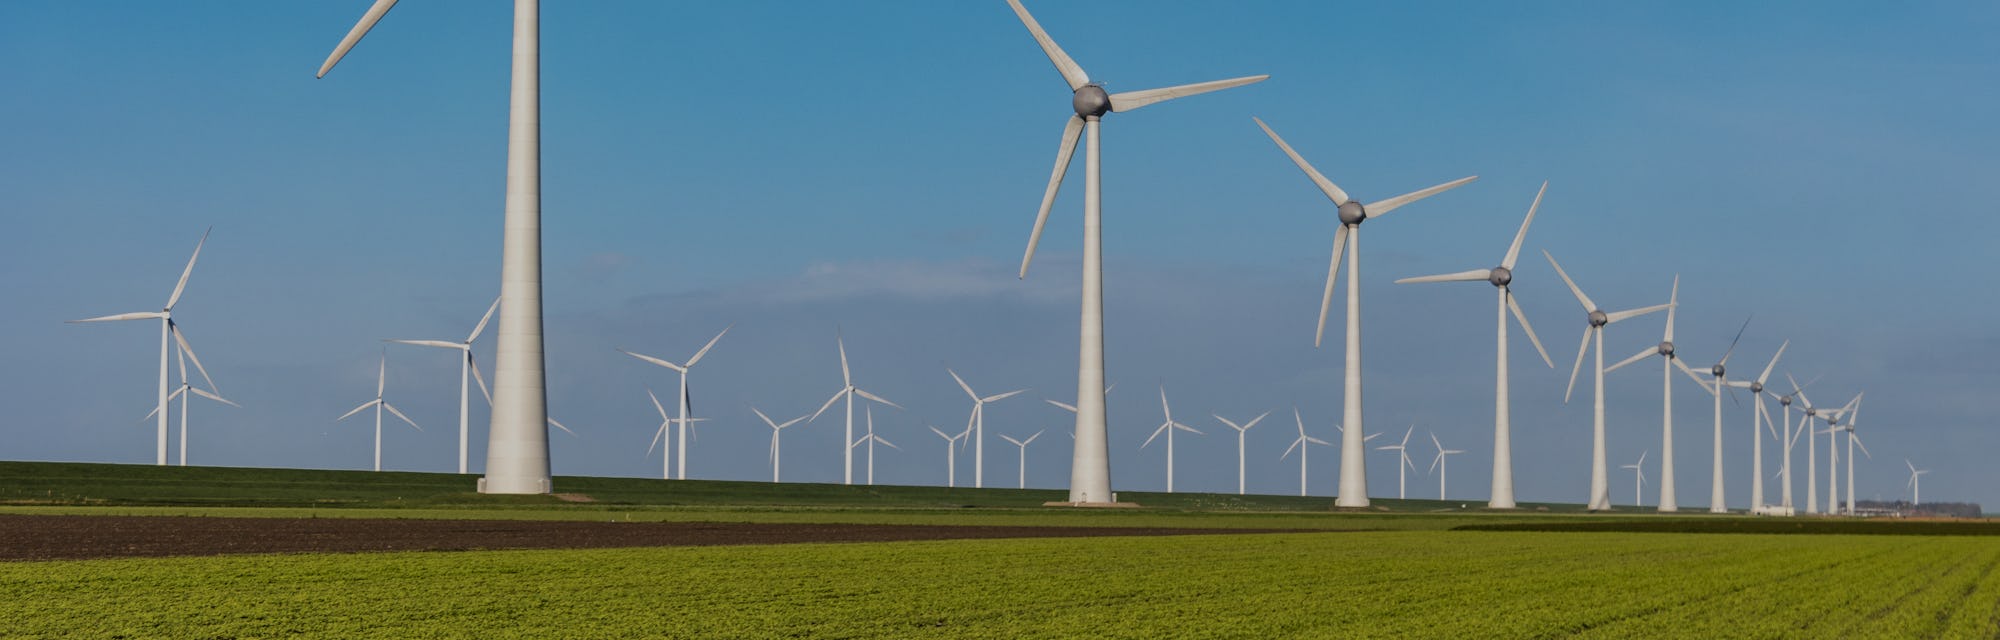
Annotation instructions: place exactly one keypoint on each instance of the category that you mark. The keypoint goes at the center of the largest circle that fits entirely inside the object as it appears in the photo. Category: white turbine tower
(848, 391)
(465, 366)
(1347, 239)
(1090, 467)
(1915, 484)
(662, 435)
(684, 406)
(1669, 501)
(950, 457)
(1438, 463)
(1241, 431)
(517, 448)
(1719, 381)
(1853, 416)
(1597, 319)
(381, 380)
(1168, 427)
(1638, 479)
(1792, 434)
(1402, 450)
(1832, 419)
(1809, 413)
(1758, 417)
(1303, 443)
(976, 424)
(871, 439)
(1503, 449)
(168, 331)
(182, 355)
(776, 429)
(1023, 445)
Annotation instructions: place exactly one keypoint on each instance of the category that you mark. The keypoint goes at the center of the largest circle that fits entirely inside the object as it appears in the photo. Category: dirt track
(24, 537)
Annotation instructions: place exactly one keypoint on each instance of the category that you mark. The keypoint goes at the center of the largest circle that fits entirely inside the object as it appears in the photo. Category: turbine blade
(1038, 434)
(1580, 298)
(1628, 314)
(1064, 153)
(1472, 275)
(182, 285)
(1189, 429)
(559, 425)
(656, 405)
(481, 327)
(1253, 421)
(473, 365)
(354, 35)
(1739, 337)
(1066, 407)
(1071, 73)
(1383, 207)
(787, 423)
(1522, 317)
(1766, 375)
(767, 419)
(1694, 376)
(1300, 420)
(211, 396)
(1156, 433)
(392, 409)
(1641, 355)
(381, 374)
(1332, 276)
(1131, 100)
(1581, 350)
(846, 377)
(710, 345)
(344, 416)
(1514, 250)
(1319, 441)
(656, 438)
(141, 315)
(876, 398)
(431, 343)
(189, 352)
(829, 403)
(1858, 443)
(1769, 424)
(1673, 303)
(677, 368)
(941, 434)
(885, 442)
(1017, 443)
(1003, 396)
(1333, 192)
(962, 384)
(1434, 441)
(1295, 444)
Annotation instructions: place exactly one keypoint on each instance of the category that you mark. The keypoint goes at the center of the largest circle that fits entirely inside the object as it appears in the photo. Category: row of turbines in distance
(517, 455)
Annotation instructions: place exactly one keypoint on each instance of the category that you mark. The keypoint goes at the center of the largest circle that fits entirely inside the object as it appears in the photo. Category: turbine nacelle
(1667, 348)
(1598, 318)
(1353, 213)
(1500, 276)
(1756, 387)
(1091, 101)
(1784, 401)
(1717, 370)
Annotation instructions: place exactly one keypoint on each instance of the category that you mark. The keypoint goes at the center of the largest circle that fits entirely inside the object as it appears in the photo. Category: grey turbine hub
(1667, 348)
(1717, 370)
(1598, 319)
(1352, 213)
(1091, 101)
(1500, 276)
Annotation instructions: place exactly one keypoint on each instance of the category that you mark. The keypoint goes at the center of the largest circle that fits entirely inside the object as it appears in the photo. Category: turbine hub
(1500, 276)
(1811, 412)
(1352, 213)
(1091, 100)
(1784, 401)
(1667, 348)
(1598, 319)
(1756, 387)
(1717, 370)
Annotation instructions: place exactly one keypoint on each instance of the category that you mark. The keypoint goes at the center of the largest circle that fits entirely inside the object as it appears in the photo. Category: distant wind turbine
(1758, 417)
(1303, 443)
(1597, 319)
(466, 365)
(685, 406)
(1853, 441)
(777, 428)
(168, 330)
(1500, 277)
(848, 391)
(1090, 468)
(976, 423)
(1669, 501)
(183, 391)
(869, 414)
(1638, 479)
(381, 380)
(1241, 430)
(950, 457)
(1438, 463)
(1719, 383)
(1402, 450)
(1792, 434)
(1023, 445)
(1168, 427)
(1347, 238)
(1915, 484)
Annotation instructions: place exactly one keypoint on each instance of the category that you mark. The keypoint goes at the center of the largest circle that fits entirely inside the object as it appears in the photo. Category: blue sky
(792, 168)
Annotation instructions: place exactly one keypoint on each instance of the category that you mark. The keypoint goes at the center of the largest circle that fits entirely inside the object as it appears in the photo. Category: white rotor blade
(1003, 396)
(829, 403)
(472, 364)
(142, 315)
(1071, 131)
(1300, 420)
(1332, 191)
(657, 406)
(1473, 275)
(1580, 298)
(1189, 429)
(1858, 443)
(962, 384)
(214, 397)
(1766, 375)
(885, 442)
(558, 425)
(356, 410)
(399, 414)
(767, 419)
(1226, 421)
(1434, 463)
(1318, 441)
(481, 327)
(846, 377)
(189, 351)
(710, 345)
(1253, 421)
(1130, 100)
(1769, 424)
(876, 398)
(1628, 314)
(1071, 73)
(657, 433)
(677, 368)
(1383, 207)
(1030, 439)
(381, 374)
(1695, 376)
(1522, 317)
(1066, 407)
(1514, 250)
(941, 434)
(1673, 303)
(1332, 276)
(1295, 445)
(1435, 443)
(182, 285)
(431, 343)
(1017, 443)
(787, 423)
(1635, 358)
(1581, 350)
(354, 35)
(1156, 433)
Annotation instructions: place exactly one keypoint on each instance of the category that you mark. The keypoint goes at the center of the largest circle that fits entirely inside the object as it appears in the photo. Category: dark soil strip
(29, 537)
(1772, 525)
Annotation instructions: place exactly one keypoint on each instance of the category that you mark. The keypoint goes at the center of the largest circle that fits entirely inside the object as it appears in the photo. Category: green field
(1418, 569)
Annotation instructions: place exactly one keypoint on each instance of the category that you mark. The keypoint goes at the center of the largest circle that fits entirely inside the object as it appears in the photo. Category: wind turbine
(1090, 467)
(776, 429)
(684, 406)
(1438, 463)
(871, 439)
(1791, 438)
(1669, 502)
(1832, 419)
(1023, 444)
(1853, 441)
(848, 391)
(183, 391)
(1598, 319)
(1719, 375)
(1757, 419)
(1402, 450)
(1500, 277)
(1639, 479)
(465, 366)
(976, 423)
(167, 330)
(517, 448)
(1916, 485)
(1241, 431)
(1303, 443)
(950, 460)
(661, 435)
(1809, 412)
(1347, 238)
(1168, 427)
(381, 380)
